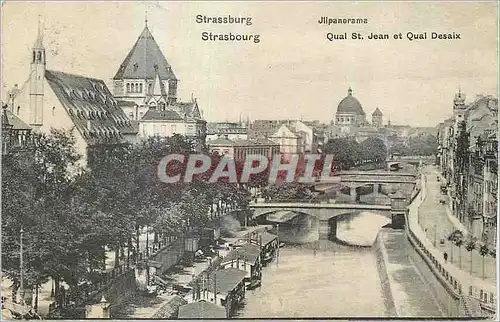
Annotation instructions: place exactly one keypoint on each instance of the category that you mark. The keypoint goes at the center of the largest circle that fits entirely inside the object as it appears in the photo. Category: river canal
(321, 279)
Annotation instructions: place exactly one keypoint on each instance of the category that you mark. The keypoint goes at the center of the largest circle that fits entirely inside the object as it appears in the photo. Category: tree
(46, 180)
(470, 246)
(374, 149)
(483, 251)
(346, 152)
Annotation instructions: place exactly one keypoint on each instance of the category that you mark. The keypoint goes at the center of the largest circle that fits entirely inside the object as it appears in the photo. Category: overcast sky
(294, 72)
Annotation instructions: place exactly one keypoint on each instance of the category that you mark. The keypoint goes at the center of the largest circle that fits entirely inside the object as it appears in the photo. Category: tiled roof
(266, 237)
(189, 108)
(201, 310)
(16, 122)
(166, 115)
(91, 106)
(226, 279)
(144, 60)
(125, 103)
(377, 112)
(254, 142)
(221, 142)
(247, 251)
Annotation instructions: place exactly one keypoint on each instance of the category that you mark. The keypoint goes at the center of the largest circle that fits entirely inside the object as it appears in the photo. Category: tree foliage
(70, 215)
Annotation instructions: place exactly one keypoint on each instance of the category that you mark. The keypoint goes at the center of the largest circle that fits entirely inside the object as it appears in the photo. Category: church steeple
(37, 80)
(38, 48)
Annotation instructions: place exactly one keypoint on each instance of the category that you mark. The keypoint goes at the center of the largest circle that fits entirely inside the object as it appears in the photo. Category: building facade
(145, 87)
(239, 149)
(77, 104)
(468, 159)
(230, 130)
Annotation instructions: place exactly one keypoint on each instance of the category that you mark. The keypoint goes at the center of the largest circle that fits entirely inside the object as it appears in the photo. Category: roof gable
(167, 115)
(145, 60)
(91, 107)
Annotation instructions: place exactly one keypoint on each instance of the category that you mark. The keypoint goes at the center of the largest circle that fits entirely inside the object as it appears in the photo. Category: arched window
(140, 88)
(53, 110)
(39, 57)
(128, 87)
(150, 88)
(18, 109)
(34, 56)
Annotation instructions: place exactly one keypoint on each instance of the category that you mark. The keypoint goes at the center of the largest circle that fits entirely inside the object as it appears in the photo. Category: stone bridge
(395, 162)
(380, 182)
(327, 213)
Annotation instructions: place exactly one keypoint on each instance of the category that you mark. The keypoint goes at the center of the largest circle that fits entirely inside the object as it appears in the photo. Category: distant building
(350, 112)
(468, 159)
(239, 149)
(377, 118)
(83, 105)
(293, 136)
(146, 87)
(230, 130)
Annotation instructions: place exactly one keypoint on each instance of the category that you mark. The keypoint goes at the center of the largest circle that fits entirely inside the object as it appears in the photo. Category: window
(128, 87)
(140, 88)
(150, 88)
(131, 115)
(18, 109)
(53, 110)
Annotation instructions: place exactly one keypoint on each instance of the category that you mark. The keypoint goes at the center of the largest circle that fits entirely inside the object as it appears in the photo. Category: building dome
(350, 105)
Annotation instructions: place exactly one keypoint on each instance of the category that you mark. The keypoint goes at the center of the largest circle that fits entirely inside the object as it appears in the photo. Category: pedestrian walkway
(484, 290)
(438, 223)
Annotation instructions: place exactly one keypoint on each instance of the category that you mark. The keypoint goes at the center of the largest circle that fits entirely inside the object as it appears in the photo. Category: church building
(78, 104)
(146, 89)
(350, 112)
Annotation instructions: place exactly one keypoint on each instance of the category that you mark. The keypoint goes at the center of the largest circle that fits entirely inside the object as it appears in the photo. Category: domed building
(350, 111)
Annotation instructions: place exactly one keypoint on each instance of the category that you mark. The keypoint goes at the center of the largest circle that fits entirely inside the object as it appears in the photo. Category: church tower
(377, 118)
(37, 80)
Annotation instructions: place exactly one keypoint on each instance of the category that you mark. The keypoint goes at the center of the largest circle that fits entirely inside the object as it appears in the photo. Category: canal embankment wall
(385, 280)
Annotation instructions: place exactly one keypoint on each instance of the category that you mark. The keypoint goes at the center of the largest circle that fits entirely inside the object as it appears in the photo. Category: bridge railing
(294, 200)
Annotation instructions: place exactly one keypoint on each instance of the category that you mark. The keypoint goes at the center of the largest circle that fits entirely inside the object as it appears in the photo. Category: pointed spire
(39, 38)
(349, 91)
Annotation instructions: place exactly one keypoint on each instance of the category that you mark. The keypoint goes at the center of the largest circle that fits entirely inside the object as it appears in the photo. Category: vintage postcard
(249, 160)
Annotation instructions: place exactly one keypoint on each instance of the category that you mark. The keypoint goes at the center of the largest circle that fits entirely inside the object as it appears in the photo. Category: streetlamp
(278, 250)
(21, 265)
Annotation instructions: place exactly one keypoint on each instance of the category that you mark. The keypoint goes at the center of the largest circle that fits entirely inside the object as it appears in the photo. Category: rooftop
(202, 310)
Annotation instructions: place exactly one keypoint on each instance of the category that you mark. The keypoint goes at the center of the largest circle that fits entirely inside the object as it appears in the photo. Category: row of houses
(218, 294)
(265, 137)
(468, 159)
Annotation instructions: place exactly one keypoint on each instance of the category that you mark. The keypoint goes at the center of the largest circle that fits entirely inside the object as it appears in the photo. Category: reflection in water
(320, 279)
